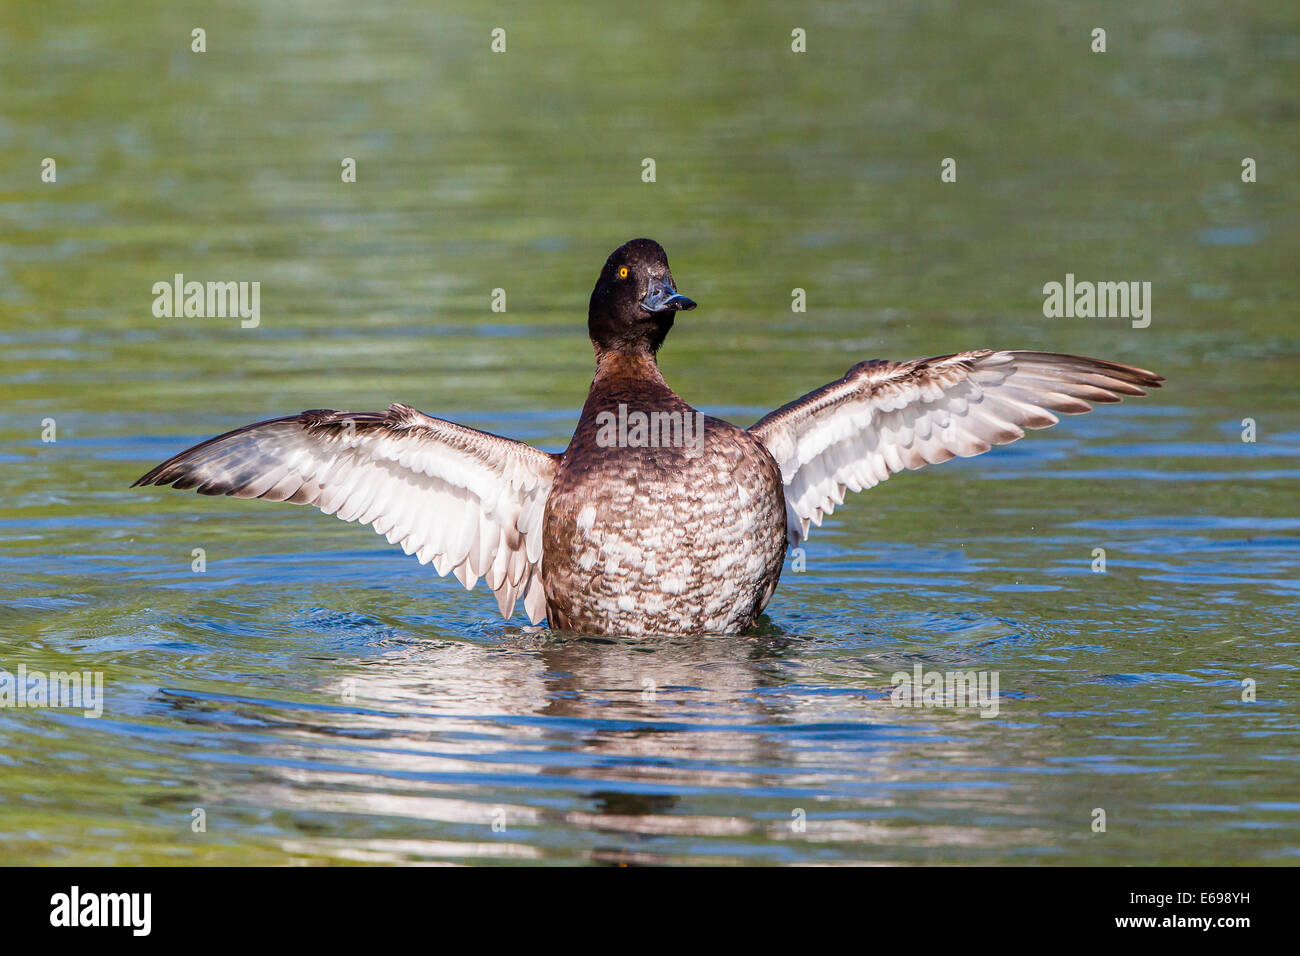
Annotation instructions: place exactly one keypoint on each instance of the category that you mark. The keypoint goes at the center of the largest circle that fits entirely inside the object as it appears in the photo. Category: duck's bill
(662, 297)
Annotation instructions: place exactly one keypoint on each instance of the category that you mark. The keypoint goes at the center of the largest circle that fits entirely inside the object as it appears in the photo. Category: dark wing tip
(166, 473)
(1129, 374)
(154, 476)
(177, 471)
(1137, 376)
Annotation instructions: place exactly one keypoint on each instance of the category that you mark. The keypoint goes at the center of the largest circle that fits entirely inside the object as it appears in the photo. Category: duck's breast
(654, 533)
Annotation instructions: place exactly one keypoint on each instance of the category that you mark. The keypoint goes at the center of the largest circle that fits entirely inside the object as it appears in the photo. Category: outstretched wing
(469, 502)
(882, 417)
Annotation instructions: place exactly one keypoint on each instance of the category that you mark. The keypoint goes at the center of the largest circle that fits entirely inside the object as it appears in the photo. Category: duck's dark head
(635, 299)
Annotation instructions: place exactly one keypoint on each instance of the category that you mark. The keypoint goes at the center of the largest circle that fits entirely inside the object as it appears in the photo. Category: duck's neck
(628, 377)
(630, 365)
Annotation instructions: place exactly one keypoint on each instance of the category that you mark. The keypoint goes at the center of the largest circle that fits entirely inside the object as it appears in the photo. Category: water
(322, 698)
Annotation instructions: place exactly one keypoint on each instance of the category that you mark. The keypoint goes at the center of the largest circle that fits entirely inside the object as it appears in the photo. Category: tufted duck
(656, 519)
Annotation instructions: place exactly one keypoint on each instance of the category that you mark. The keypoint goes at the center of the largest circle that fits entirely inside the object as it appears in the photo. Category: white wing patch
(463, 500)
(883, 417)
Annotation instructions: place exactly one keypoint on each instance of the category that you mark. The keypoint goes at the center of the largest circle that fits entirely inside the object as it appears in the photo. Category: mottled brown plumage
(679, 527)
(659, 540)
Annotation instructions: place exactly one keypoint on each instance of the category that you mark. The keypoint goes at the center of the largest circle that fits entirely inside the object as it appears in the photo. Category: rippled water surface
(323, 698)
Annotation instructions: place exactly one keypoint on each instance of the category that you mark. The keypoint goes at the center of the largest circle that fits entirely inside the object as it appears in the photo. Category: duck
(656, 519)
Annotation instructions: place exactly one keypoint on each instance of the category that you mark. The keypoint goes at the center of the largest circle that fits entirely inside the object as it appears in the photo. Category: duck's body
(684, 538)
(678, 528)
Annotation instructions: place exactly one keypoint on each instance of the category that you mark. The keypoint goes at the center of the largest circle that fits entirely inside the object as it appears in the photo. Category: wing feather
(884, 417)
(466, 501)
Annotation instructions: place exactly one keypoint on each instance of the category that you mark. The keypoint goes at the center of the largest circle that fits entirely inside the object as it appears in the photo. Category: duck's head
(635, 299)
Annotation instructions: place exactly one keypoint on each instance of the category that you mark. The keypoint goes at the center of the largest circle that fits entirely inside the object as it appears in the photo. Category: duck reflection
(598, 734)
(638, 697)
(534, 743)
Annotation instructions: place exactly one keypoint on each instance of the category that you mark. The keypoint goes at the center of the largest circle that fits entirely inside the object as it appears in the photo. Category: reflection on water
(322, 698)
(666, 743)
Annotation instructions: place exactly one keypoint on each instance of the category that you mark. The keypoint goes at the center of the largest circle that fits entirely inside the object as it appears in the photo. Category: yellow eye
(622, 272)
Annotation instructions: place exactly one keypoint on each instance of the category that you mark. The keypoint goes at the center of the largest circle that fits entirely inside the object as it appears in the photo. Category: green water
(324, 699)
